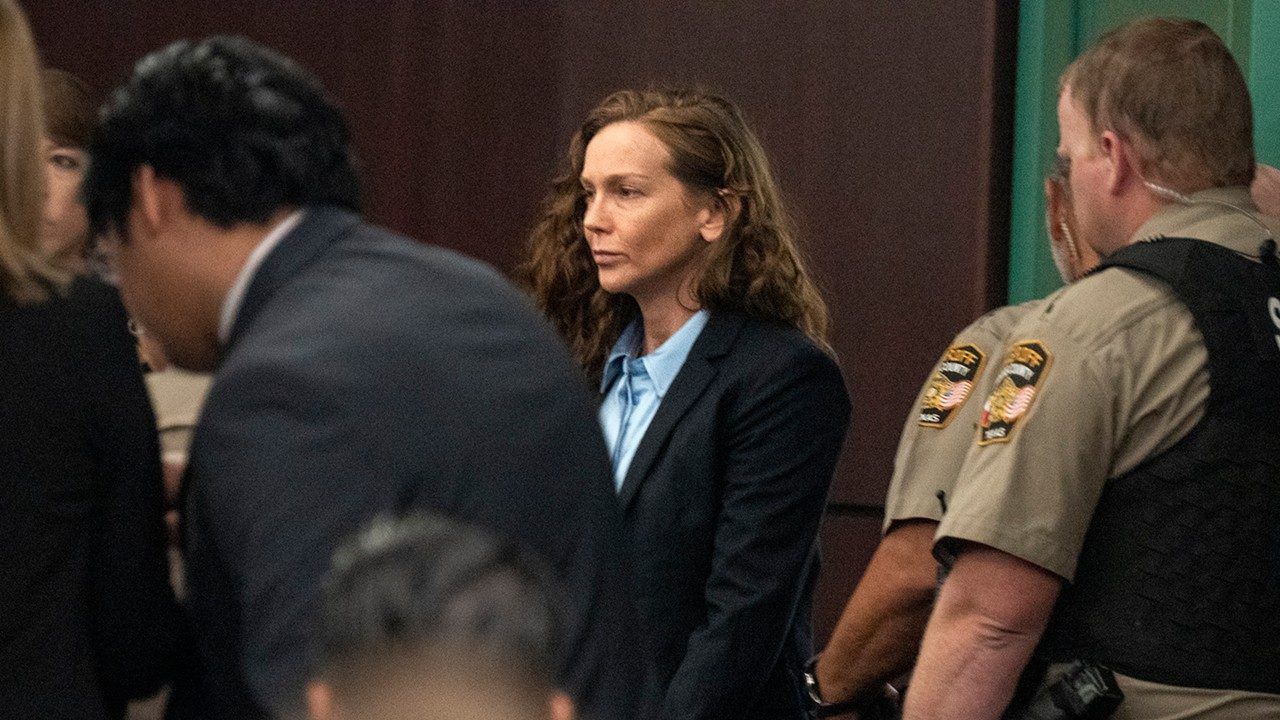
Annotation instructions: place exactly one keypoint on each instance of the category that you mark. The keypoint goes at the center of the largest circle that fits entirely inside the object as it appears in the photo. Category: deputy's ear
(1122, 162)
(719, 215)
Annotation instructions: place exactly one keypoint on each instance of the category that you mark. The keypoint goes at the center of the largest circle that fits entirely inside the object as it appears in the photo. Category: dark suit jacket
(722, 503)
(87, 618)
(369, 374)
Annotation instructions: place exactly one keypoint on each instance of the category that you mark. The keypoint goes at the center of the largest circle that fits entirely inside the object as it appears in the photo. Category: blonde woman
(87, 619)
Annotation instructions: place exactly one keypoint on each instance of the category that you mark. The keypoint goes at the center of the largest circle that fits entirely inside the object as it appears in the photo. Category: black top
(87, 617)
(369, 374)
(722, 504)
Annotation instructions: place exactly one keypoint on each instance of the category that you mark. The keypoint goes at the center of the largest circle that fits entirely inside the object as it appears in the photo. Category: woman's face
(647, 232)
(65, 227)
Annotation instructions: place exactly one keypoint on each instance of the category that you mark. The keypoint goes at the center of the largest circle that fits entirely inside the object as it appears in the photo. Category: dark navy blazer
(721, 505)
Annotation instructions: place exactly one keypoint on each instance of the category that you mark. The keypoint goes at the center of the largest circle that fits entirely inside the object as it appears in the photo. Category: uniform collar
(664, 363)
(1224, 216)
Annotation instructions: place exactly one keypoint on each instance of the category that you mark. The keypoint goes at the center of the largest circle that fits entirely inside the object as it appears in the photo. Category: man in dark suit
(357, 373)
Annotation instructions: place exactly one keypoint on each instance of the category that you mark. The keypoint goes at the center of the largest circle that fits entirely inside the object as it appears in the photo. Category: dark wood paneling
(453, 105)
(888, 123)
(847, 543)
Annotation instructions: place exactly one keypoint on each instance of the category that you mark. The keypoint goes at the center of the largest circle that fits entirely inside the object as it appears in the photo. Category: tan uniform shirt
(940, 427)
(1110, 372)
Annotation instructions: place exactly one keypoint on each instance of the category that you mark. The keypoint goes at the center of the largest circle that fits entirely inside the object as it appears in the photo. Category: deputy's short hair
(408, 589)
(241, 129)
(1172, 87)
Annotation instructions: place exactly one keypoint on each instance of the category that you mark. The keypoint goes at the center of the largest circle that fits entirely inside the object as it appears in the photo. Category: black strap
(1267, 252)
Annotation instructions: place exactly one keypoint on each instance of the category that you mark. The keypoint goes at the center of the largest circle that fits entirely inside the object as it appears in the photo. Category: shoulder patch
(1014, 391)
(951, 384)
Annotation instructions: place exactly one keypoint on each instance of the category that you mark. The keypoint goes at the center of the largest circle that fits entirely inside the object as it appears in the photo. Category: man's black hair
(427, 582)
(241, 129)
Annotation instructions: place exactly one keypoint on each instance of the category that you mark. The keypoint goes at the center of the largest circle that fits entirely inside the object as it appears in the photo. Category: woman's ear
(723, 210)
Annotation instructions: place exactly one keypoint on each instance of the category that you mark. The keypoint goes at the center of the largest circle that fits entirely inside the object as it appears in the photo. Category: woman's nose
(594, 219)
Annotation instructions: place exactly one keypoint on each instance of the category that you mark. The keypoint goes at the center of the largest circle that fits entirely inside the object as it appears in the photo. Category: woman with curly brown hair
(666, 259)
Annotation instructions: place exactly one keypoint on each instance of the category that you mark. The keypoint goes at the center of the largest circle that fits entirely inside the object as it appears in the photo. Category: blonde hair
(24, 274)
(757, 267)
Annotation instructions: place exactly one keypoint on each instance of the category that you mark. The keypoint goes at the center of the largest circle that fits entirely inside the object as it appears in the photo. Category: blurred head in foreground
(429, 619)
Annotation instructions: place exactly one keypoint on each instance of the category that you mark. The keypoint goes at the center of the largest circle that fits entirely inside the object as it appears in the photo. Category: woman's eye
(628, 192)
(65, 162)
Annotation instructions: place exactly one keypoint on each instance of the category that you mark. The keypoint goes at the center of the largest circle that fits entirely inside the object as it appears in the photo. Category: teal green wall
(1051, 33)
(1264, 79)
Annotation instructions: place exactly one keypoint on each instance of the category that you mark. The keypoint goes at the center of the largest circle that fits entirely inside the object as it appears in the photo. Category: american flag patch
(1014, 391)
(956, 394)
(950, 385)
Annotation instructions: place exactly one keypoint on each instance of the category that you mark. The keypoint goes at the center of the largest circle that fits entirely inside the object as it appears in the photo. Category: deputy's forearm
(968, 670)
(879, 631)
(988, 618)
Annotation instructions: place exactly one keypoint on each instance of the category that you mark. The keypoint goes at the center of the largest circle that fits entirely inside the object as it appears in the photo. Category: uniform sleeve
(1042, 451)
(940, 427)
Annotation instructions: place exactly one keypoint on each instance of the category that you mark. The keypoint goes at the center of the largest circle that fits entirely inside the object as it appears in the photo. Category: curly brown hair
(755, 268)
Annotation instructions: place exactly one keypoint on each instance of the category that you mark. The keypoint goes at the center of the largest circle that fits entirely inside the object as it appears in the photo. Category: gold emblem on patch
(1014, 392)
(950, 385)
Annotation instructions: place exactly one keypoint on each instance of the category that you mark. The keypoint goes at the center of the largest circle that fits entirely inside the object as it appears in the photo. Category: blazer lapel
(698, 370)
(319, 228)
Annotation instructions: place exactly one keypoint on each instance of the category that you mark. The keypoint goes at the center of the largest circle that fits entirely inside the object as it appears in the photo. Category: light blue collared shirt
(633, 387)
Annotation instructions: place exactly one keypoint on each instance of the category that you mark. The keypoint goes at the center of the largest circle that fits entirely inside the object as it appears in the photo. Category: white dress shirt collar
(235, 296)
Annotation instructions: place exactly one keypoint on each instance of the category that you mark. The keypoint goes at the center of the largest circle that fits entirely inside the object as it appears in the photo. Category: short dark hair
(405, 587)
(241, 129)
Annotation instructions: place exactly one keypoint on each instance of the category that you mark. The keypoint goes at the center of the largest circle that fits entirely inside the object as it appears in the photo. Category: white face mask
(1063, 246)
(1066, 255)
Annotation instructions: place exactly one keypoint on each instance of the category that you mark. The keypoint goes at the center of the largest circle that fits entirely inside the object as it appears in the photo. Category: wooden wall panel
(888, 124)
(848, 539)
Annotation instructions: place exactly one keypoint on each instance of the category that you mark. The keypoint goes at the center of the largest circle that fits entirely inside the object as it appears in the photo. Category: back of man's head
(241, 129)
(427, 618)
(1172, 87)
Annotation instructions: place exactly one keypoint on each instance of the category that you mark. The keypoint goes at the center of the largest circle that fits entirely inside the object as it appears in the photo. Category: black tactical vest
(1179, 579)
